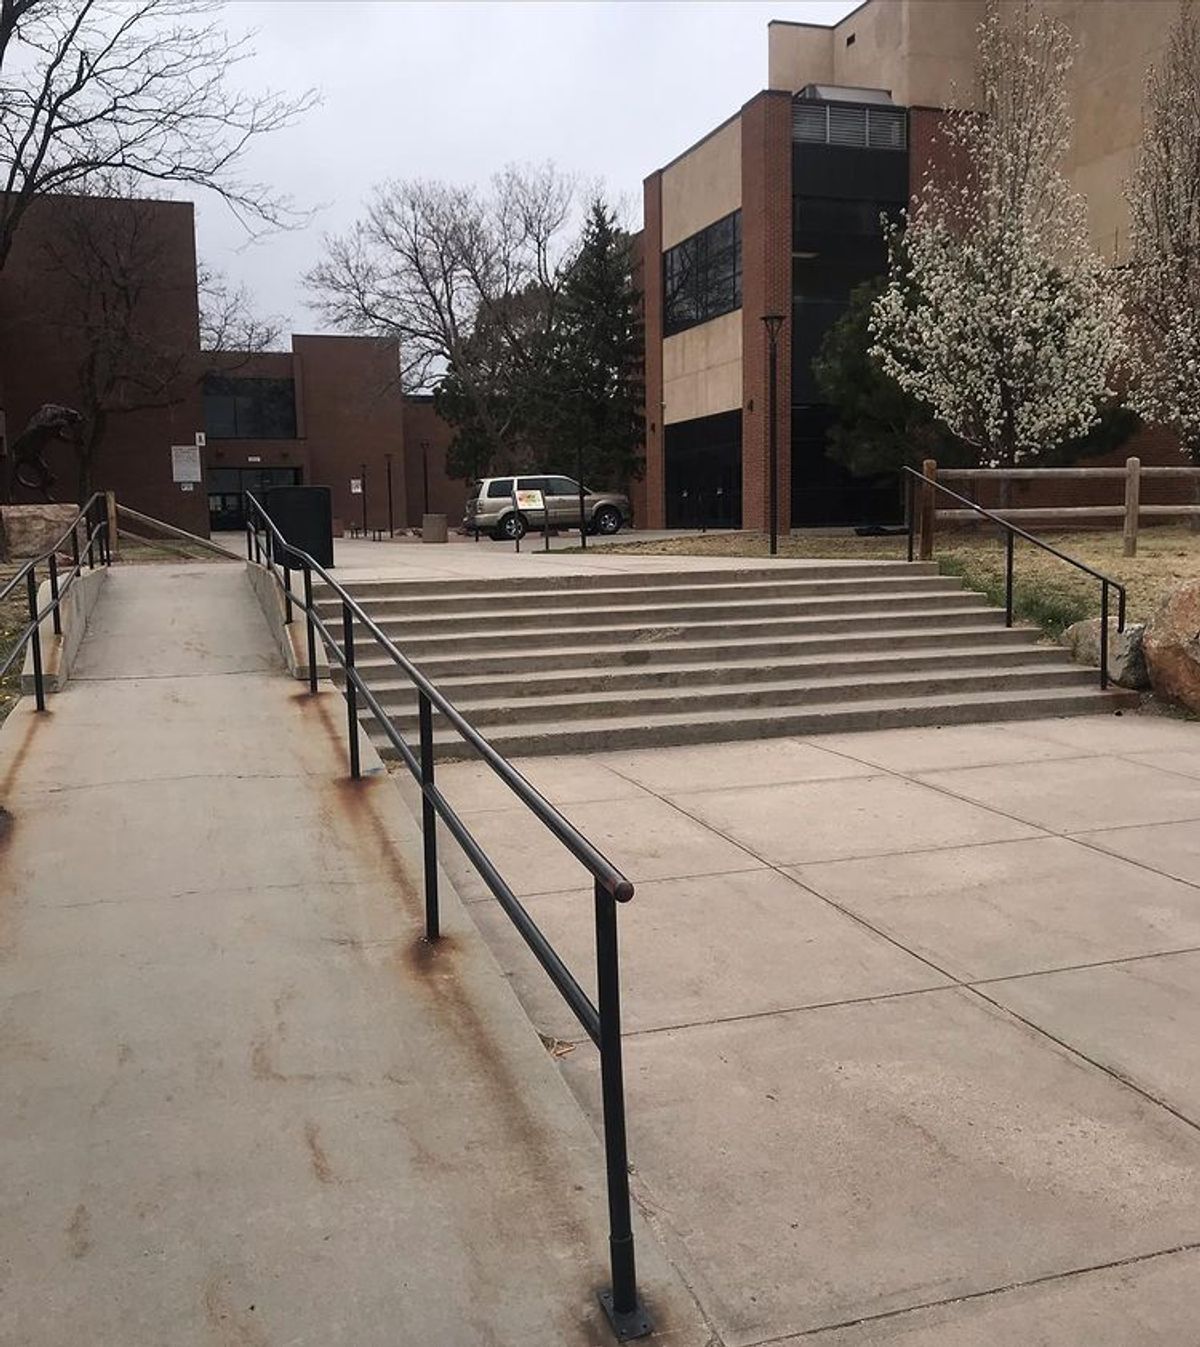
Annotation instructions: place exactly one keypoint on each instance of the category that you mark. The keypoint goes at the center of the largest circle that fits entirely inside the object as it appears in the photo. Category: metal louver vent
(873, 128)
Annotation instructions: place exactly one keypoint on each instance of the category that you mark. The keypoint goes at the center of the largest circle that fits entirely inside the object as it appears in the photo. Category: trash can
(304, 515)
(433, 528)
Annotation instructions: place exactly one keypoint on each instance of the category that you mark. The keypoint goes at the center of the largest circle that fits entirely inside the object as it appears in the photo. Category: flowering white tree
(1163, 275)
(997, 313)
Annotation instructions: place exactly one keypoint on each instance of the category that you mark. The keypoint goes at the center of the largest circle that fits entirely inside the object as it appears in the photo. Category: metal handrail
(267, 546)
(96, 545)
(1012, 532)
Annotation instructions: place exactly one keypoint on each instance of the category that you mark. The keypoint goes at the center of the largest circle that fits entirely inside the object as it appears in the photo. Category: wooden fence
(1131, 511)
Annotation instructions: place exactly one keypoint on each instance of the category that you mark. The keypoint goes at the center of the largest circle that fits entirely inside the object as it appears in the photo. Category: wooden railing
(1131, 511)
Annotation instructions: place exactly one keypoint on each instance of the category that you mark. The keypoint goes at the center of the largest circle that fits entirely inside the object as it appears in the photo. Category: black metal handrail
(96, 546)
(1012, 532)
(266, 545)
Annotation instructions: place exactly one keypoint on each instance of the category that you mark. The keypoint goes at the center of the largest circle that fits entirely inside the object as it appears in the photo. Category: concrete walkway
(912, 1022)
(242, 1103)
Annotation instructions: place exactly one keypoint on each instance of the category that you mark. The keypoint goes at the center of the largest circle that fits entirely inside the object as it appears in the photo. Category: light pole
(387, 458)
(363, 480)
(773, 322)
(425, 473)
(579, 471)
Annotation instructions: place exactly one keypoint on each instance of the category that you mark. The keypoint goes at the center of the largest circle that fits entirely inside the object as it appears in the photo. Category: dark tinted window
(531, 484)
(502, 486)
(562, 486)
(249, 409)
(702, 276)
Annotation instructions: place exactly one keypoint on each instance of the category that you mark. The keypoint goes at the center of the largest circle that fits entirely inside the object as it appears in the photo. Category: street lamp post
(773, 322)
(425, 474)
(579, 471)
(363, 479)
(387, 458)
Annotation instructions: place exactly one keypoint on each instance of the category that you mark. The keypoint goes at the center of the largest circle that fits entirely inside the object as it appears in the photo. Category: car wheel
(607, 520)
(513, 527)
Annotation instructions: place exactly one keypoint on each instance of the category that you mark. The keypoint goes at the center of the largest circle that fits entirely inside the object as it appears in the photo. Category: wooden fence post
(928, 507)
(110, 505)
(1133, 495)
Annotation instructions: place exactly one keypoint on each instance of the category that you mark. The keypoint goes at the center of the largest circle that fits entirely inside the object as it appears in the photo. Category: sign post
(532, 501)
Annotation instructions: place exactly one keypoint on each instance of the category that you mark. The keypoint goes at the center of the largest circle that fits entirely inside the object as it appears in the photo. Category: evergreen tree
(595, 381)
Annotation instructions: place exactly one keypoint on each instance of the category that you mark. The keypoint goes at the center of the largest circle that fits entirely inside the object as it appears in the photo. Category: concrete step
(639, 579)
(492, 661)
(715, 700)
(498, 619)
(394, 689)
(774, 722)
(425, 606)
(417, 645)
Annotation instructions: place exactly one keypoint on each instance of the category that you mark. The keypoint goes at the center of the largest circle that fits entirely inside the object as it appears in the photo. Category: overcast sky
(606, 90)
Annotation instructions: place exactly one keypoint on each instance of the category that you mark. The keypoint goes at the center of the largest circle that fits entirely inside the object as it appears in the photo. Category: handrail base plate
(634, 1323)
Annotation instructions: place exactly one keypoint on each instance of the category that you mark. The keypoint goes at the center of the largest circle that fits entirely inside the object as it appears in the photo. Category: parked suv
(491, 510)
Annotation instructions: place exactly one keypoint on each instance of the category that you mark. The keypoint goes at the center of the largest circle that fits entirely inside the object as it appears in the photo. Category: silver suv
(491, 509)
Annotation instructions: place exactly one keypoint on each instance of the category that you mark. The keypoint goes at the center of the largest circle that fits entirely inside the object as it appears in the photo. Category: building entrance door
(227, 488)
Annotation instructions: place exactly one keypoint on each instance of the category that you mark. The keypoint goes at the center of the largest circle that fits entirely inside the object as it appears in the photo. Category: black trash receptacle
(304, 515)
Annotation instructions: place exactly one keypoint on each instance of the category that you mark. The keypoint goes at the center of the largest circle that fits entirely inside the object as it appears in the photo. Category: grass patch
(1047, 592)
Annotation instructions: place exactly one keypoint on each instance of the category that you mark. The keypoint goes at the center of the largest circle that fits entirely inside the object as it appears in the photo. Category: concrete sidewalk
(243, 1104)
(911, 1022)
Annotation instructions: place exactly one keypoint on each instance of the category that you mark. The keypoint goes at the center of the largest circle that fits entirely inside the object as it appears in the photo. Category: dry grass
(14, 615)
(1048, 592)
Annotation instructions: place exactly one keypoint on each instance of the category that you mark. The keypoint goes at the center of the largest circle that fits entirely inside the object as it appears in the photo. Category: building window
(249, 409)
(702, 276)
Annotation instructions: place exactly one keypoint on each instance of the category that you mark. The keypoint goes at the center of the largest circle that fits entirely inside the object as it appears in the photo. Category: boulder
(1126, 659)
(1173, 646)
(30, 530)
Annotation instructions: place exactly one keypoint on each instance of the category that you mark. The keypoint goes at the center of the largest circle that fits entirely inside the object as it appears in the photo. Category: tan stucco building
(777, 211)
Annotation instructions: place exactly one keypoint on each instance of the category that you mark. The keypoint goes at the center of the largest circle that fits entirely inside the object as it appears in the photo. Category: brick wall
(650, 501)
(766, 288)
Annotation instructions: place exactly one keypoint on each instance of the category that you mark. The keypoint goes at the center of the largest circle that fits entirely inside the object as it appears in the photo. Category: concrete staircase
(580, 663)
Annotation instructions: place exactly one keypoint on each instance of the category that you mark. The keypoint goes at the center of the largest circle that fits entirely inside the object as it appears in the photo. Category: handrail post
(428, 819)
(91, 541)
(312, 634)
(1103, 634)
(249, 538)
(910, 511)
(625, 1312)
(287, 591)
(39, 687)
(56, 616)
(351, 690)
(1009, 539)
(1133, 491)
(1121, 608)
(112, 532)
(928, 509)
(75, 548)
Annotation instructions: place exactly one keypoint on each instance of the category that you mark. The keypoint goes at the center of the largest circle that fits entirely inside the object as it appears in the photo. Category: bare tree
(1163, 274)
(467, 281)
(140, 87)
(136, 345)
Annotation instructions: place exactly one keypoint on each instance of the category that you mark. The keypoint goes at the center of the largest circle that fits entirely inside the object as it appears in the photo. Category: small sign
(185, 463)
(201, 439)
(529, 500)
(187, 486)
(356, 486)
(254, 458)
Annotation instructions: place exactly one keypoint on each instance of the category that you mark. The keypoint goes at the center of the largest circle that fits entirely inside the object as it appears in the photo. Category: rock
(30, 530)
(1173, 646)
(1126, 659)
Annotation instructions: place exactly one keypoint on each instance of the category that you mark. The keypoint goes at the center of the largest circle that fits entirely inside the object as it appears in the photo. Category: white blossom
(1163, 274)
(997, 312)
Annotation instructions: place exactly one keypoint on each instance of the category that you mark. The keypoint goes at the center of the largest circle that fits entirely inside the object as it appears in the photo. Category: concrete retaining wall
(291, 638)
(58, 652)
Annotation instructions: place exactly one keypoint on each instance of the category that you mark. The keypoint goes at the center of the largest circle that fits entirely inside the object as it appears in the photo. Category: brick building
(326, 412)
(777, 211)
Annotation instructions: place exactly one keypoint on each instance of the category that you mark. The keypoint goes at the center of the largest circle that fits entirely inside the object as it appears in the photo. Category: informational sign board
(201, 439)
(529, 500)
(185, 463)
(356, 486)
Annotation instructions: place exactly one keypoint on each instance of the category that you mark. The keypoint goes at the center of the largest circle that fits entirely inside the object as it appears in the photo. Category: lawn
(1048, 592)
